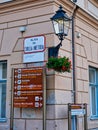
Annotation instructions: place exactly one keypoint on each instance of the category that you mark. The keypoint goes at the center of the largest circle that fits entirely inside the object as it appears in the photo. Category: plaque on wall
(34, 48)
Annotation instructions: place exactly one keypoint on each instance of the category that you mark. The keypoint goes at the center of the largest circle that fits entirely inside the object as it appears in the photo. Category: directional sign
(28, 87)
(77, 109)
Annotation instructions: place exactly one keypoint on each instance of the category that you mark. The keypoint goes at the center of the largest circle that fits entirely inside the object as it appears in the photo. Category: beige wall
(35, 15)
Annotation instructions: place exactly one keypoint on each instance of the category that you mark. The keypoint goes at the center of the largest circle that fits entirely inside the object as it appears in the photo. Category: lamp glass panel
(56, 27)
(61, 26)
(66, 27)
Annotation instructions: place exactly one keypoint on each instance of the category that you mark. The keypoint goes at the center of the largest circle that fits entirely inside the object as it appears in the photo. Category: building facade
(20, 20)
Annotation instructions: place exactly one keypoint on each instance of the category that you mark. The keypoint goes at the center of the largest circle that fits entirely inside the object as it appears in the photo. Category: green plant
(62, 64)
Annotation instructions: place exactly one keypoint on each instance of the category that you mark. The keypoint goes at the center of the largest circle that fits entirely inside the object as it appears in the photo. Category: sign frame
(34, 48)
(75, 110)
(44, 99)
(28, 87)
(32, 38)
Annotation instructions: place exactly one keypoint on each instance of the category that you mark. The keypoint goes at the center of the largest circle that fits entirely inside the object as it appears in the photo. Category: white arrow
(41, 104)
(15, 93)
(40, 98)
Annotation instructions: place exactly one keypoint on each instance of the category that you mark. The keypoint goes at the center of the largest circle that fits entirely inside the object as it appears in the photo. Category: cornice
(16, 5)
(85, 16)
(94, 2)
(21, 4)
(81, 13)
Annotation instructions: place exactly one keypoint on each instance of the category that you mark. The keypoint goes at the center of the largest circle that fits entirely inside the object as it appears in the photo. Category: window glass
(3, 78)
(93, 9)
(2, 1)
(3, 99)
(4, 69)
(80, 3)
(93, 74)
(93, 93)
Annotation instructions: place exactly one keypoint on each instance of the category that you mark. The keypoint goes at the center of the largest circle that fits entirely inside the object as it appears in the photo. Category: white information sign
(33, 57)
(77, 111)
(34, 44)
(34, 49)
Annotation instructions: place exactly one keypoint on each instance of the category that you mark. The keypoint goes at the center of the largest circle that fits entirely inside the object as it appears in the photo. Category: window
(93, 82)
(3, 79)
(80, 3)
(93, 9)
(3, 1)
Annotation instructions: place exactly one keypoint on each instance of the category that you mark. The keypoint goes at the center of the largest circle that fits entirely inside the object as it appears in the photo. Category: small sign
(78, 112)
(77, 109)
(34, 44)
(33, 57)
(34, 49)
(77, 106)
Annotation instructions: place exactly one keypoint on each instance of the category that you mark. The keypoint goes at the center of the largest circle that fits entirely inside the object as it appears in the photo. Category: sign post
(29, 90)
(44, 100)
(75, 110)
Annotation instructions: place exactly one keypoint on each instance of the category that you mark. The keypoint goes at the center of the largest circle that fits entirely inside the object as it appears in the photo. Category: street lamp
(61, 24)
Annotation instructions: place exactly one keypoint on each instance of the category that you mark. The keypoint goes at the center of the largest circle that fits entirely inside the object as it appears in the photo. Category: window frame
(95, 86)
(5, 1)
(2, 82)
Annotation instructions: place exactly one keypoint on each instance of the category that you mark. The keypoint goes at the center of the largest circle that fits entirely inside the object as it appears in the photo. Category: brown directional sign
(28, 87)
(77, 106)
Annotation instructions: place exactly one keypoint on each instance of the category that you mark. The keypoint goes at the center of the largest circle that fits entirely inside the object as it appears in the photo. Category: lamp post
(61, 24)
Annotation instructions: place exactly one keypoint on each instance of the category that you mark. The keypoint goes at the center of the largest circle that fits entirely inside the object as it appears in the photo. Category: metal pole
(73, 61)
(69, 116)
(44, 99)
(85, 118)
(12, 106)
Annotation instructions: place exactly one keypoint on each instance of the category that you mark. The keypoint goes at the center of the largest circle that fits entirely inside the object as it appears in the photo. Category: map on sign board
(34, 49)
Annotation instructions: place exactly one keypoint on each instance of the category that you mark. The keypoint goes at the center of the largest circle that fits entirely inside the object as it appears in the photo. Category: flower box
(61, 65)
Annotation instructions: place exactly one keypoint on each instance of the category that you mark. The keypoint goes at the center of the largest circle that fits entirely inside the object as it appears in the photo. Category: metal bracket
(53, 51)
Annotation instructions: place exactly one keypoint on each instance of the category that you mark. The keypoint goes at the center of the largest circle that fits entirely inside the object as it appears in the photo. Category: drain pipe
(73, 55)
(73, 64)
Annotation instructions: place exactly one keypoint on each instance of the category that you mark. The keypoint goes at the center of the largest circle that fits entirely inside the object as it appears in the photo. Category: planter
(61, 65)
